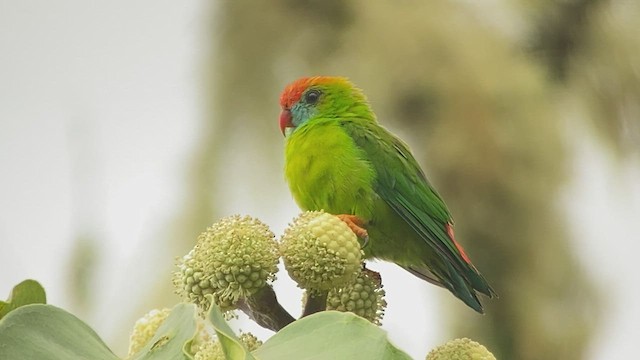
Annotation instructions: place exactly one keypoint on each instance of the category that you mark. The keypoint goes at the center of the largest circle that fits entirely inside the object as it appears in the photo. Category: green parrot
(339, 159)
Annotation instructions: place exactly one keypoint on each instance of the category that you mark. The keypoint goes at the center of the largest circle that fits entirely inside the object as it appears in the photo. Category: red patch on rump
(449, 228)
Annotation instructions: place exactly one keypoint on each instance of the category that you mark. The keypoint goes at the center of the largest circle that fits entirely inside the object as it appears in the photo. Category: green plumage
(339, 159)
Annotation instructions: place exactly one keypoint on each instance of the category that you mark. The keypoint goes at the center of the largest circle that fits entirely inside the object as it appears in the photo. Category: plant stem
(263, 308)
(316, 302)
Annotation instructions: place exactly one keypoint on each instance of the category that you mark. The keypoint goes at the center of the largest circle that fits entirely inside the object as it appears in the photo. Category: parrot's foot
(355, 224)
(374, 274)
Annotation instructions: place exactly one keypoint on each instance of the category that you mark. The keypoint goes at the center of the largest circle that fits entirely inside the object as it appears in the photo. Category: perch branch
(263, 308)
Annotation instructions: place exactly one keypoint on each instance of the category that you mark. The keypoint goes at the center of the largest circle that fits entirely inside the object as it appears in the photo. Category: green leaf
(330, 335)
(231, 345)
(25, 293)
(45, 332)
(172, 336)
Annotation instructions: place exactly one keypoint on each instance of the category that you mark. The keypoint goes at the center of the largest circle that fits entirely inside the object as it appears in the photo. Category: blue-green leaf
(45, 332)
(170, 339)
(330, 335)
(231, 345)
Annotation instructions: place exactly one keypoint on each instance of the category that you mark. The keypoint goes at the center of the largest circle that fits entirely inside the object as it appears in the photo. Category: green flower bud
(187, 280)
(460, 349)
(145, 328)
(210, 351)
(213, 350)
(250, 341)
(232, 259)
(320, 252)
(205, 335)
(364, 297)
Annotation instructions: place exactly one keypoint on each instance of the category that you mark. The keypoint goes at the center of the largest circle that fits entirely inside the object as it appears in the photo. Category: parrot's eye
(312, 96)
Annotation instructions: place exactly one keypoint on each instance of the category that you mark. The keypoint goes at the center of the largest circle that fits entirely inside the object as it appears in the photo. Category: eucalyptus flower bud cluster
(213, 350)
(145, 328)
(320, 252)
(462, 349)
(231, 260)
(364, 297)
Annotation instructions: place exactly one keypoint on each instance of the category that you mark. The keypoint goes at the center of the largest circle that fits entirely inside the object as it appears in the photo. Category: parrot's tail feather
(424, 274)
(472, 274)
(452, 281)
(480, 284)
(463, 290)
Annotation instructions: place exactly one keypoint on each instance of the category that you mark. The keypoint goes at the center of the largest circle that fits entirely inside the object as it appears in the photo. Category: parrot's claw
(366, 241)
(355, 224)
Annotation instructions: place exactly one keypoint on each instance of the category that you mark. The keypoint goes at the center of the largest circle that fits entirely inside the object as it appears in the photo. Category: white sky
(125, 76)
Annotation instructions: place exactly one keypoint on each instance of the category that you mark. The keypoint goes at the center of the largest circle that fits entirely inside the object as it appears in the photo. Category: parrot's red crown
(294, 90)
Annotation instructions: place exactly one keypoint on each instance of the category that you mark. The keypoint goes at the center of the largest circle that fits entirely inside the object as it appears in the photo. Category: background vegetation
(494, 99)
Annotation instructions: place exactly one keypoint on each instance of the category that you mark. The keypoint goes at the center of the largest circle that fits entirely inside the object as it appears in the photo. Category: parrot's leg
(374, 274)
(355, 224)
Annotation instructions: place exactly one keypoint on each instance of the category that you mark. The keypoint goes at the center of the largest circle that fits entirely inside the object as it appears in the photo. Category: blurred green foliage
(605, 75)
(590, 49)
(484, 111)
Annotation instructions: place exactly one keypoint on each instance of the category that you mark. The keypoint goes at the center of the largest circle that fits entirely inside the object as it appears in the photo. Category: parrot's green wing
(401, 183)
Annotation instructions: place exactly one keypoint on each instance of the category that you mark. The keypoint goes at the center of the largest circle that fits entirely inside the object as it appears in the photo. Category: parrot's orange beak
(285, 120)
